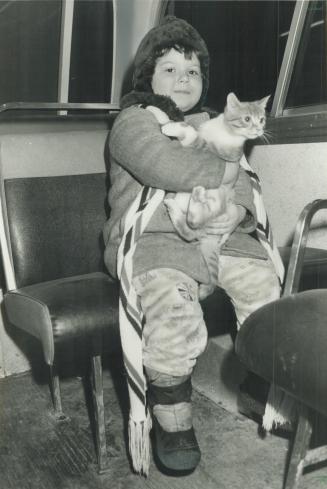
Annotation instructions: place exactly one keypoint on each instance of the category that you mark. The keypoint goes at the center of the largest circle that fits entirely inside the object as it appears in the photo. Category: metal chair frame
(301, 456)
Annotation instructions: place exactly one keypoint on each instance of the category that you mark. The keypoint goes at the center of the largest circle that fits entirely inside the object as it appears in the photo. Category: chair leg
(55, 389)
(299, 449)
(55, 393)
(97, 391)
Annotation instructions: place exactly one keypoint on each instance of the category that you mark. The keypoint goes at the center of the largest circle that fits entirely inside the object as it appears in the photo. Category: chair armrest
(299, 245)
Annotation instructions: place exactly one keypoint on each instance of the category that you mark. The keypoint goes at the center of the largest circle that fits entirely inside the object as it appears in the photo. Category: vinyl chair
(285, 343)
(53, 206)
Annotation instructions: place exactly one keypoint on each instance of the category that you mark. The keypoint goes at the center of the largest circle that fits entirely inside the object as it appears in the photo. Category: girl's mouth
(186, 92)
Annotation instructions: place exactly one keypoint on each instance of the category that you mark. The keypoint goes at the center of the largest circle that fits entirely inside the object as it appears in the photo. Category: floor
(38, 452)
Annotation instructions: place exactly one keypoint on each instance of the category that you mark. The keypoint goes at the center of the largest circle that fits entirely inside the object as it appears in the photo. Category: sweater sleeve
(136, 142)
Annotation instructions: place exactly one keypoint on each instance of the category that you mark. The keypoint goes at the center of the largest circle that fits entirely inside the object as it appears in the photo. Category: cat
(225, 135)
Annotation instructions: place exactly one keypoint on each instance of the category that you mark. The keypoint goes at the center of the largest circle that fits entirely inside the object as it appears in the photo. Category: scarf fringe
(280, 409)
(139, 444)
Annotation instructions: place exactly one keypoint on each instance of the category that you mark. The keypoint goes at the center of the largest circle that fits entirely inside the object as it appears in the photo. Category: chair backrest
(53, 197)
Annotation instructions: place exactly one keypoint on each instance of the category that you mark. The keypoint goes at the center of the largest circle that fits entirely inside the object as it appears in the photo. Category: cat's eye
(247, 118)
(262, 120)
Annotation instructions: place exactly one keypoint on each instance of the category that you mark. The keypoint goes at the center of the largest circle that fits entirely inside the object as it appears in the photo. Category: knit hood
(170, 33)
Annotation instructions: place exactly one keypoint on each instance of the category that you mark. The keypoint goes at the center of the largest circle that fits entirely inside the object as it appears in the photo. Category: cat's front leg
(185, 134)
(161, 116)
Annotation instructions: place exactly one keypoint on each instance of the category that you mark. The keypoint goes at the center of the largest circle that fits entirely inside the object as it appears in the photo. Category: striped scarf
(131, 318)
(263, 229)
(131, 321)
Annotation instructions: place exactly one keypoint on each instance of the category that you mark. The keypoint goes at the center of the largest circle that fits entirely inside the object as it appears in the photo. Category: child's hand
(227, 222)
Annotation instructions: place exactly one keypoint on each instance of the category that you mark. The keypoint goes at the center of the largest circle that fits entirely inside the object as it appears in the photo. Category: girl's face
(178, 78)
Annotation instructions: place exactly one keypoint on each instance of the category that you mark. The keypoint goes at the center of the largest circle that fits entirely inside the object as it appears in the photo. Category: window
(91, 53)
(308, 84)
(299, 110)
(29, 50)
(241, 37)
(262, 47)
(34, 51)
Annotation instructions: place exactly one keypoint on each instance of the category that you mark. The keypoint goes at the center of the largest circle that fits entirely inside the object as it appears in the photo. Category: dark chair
(53, 197)
(285, 343)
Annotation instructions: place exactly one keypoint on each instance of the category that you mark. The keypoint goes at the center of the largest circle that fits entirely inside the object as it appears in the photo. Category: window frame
(298, 124)
(287, 66)
(22, 110)
(66, 32)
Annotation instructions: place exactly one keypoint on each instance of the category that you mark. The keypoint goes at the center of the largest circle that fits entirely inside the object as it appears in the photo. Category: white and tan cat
(225, 135)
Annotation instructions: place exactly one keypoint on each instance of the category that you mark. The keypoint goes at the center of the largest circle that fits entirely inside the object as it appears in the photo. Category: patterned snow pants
(175, 334)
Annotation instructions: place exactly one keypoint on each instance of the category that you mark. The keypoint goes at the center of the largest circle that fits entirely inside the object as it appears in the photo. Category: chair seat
(285, 342)
(62, 309)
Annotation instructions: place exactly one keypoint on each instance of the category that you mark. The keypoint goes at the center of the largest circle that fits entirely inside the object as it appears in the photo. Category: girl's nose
(183, 78)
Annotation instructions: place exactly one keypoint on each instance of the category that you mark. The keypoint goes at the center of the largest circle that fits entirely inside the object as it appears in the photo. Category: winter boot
(174, 439)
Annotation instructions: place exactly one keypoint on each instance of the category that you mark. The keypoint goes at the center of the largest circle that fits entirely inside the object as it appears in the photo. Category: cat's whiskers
(266, 138)
(270, 135)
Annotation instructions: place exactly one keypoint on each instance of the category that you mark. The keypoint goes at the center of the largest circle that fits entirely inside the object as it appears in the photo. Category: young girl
(171, 72)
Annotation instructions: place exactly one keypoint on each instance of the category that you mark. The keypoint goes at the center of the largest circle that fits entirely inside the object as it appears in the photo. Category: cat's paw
(178, 218)
(199, 194)
(173, 208)
(183, 132)
(205, 290)
(200, 208)
(159, 114)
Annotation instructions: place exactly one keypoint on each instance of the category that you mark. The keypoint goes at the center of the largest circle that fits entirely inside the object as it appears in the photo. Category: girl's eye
(170, 70)
(247, 118)
(193, 73)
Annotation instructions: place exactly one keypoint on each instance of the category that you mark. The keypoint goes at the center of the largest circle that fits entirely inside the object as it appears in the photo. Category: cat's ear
(232, 100)
(263, 102)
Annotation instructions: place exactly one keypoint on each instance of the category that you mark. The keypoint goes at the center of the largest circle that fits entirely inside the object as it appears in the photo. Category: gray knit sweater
(141, 155)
